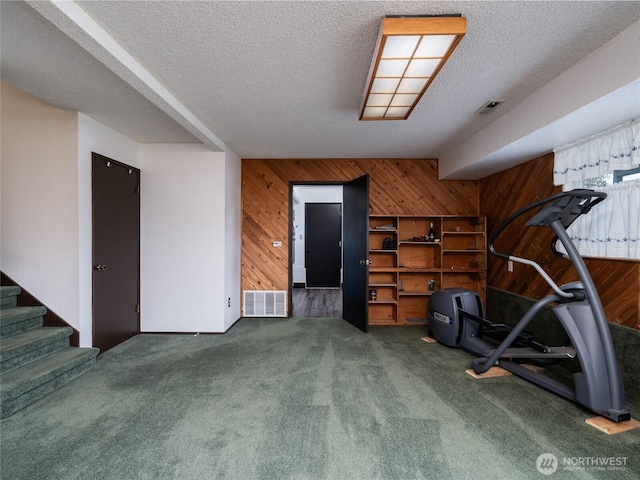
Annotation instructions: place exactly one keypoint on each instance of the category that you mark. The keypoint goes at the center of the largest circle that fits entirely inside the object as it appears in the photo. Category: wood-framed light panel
(405, 63)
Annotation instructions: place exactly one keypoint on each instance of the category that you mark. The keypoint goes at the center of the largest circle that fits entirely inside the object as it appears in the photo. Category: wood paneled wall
(617, 281)
(397, 187)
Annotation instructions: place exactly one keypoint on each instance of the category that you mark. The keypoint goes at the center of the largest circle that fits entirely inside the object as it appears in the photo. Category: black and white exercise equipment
(457, 319)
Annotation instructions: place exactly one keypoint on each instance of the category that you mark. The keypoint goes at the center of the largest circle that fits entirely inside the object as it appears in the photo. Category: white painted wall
(183, 239)
(308, 194)
(190, 218)
(39, 200)
(94, 137)
(589, 97)
(233, 233)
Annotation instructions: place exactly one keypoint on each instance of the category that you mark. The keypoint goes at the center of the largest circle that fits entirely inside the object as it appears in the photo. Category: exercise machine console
(457, 318)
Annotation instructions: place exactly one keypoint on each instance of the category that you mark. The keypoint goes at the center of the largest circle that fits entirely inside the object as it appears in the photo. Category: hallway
(317, 303)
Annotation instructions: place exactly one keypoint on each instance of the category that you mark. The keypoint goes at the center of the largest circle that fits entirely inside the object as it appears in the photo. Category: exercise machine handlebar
(578, 202)
(567, 207)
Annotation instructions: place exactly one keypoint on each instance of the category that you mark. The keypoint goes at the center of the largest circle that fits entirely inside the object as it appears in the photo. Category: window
(626, 175)
(605, 180)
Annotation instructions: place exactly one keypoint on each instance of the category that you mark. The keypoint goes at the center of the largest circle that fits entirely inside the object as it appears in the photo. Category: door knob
(100, 268)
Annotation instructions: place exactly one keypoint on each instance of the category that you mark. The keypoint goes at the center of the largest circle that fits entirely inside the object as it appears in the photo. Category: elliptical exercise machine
(457, 318)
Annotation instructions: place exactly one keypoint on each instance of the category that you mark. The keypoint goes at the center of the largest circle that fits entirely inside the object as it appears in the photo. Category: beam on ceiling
(74, 22)
(599, 92)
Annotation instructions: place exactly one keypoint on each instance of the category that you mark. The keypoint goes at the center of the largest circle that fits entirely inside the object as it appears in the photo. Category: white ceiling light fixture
(409, 53)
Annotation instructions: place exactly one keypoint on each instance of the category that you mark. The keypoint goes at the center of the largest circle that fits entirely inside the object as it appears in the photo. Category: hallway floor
(317, 302)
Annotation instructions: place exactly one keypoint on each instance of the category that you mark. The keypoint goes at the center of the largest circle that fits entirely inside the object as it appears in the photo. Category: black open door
(355, 251)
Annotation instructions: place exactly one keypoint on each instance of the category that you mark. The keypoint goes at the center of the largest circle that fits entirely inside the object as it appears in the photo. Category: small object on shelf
(400, 285)
(373, 295)
(432, 233)
(423, 239)
(431, 285)
(387, 244)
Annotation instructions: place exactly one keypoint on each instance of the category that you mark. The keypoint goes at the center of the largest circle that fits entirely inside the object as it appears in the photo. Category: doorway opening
(316, 250)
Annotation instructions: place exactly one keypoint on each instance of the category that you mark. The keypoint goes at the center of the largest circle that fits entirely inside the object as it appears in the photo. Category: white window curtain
(615, 149)
(612, 228)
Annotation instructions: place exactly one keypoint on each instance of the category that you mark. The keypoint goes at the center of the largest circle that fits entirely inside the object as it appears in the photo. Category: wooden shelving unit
(383, 271)
(405, 276)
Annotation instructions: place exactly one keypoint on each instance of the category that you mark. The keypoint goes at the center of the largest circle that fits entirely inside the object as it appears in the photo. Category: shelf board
(384, 301)
(382, 321)
(381, 285)
(416, 293)
(419, 270)
(377, 230)
(463, 270)
(466, 250)
(382, 250)
(409, 242)
(455, 269)
(463, 233)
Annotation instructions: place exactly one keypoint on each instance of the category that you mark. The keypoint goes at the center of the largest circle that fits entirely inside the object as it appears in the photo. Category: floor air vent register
(265, 303)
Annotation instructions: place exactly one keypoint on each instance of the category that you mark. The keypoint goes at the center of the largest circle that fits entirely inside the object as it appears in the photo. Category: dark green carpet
(303, 399)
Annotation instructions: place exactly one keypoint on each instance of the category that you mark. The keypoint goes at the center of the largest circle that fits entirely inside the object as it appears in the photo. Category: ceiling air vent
(488, 107)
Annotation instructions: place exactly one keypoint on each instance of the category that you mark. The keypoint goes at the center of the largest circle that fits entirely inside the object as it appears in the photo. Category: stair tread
(17, 314)
(9, 291)
(38, 336)
(29, 376)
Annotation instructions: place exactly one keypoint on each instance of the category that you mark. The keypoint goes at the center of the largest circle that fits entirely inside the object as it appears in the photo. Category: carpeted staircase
(34, 360)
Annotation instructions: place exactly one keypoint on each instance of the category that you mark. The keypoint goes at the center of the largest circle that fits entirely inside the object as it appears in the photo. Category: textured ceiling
(38, 58)
(285, 79)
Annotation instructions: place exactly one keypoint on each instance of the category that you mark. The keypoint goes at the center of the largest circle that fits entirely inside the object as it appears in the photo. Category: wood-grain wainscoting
(397, 187)
(501, 194)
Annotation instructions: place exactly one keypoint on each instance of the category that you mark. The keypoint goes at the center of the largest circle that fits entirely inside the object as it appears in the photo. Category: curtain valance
(615, 149)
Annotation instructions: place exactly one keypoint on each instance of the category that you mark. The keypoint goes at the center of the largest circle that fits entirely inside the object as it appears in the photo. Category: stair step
(31, 345)
(23, 386)
(8, 296)
(20, 319)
